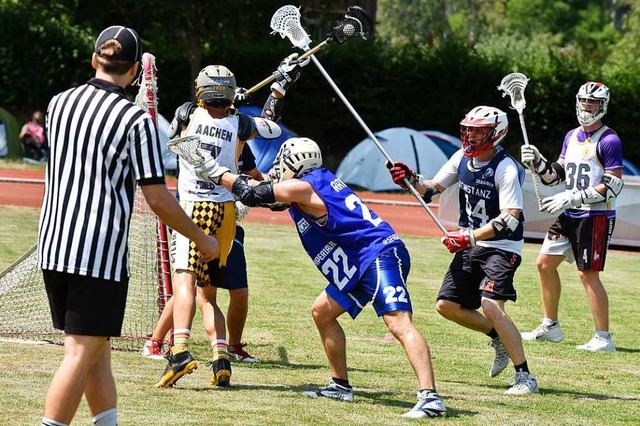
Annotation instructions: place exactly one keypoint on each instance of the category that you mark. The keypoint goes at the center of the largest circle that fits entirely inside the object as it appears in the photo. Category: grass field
(576, 388)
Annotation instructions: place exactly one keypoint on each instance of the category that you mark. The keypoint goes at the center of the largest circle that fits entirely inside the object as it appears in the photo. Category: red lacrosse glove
(459, 240)
(399, 171)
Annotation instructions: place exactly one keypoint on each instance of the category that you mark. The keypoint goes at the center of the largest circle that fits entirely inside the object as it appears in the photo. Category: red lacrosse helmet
(481, 129)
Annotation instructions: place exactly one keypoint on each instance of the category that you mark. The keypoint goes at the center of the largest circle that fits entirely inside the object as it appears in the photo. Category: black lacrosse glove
(288, 72)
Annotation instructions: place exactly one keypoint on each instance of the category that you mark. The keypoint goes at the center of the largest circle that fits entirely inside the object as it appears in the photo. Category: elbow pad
(272, 109)
(266, 128)
(181, 119)
(505, 224)
(553, 174)
(259, 195)
(614, 186)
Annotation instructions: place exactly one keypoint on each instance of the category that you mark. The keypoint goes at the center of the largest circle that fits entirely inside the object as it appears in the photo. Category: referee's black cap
(128, 38)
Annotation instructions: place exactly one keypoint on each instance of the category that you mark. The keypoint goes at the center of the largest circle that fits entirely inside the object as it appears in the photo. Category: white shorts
(560, 246)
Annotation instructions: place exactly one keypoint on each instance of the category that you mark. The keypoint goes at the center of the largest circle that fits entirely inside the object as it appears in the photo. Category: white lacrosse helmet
(215, 83)
(296, 158)
(595, 91)
(493, 120)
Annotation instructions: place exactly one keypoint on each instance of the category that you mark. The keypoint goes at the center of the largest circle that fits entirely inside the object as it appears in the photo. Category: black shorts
(589, 237)
(234, 275)
(480, 272)
(84, 305)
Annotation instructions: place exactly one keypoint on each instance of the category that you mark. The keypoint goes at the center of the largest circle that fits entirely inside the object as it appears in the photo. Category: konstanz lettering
(482, 193)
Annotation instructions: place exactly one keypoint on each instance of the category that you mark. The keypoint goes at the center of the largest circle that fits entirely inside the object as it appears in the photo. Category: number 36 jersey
(351, 237)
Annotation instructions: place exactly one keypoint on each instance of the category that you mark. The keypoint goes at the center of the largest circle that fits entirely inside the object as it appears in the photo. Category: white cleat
(429, 405)
(502, 358)
(524, 384)
(549, 333)
(598, 344)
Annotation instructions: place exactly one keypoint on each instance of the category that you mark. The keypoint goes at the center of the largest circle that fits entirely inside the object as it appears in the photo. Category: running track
(402, 211)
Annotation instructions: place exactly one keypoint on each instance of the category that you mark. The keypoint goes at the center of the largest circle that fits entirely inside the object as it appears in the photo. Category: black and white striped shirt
(100, 145)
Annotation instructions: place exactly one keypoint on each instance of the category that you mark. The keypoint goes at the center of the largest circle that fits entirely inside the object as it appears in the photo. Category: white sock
(603, 334)
(548, 322)
(106, 418)
(51, 422)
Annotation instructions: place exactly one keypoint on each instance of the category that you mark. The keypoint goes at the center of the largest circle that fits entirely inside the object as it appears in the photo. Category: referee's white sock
(107, 418)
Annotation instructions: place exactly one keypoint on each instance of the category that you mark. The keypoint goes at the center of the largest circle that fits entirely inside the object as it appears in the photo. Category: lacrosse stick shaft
(534, 175)
(304, 56)
(376, 141)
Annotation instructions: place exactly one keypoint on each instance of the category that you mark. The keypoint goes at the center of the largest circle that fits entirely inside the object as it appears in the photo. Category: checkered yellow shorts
(217, 219)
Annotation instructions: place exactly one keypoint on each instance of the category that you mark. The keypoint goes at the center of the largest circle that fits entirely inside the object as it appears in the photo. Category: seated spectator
(33, 139)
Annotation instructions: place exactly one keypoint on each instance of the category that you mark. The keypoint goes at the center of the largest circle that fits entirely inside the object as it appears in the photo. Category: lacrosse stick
(188, 148)
(290, 27)
(147, 99)
(286, 22)
(513, 85)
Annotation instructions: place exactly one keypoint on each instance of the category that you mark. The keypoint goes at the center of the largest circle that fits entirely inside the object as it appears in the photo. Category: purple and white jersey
(587, 155)
(351, 237)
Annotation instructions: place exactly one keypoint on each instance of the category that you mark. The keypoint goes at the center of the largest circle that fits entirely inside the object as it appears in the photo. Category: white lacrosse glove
(562, 201)
(210, 171)
(241, 211)
(288, 72)
(531, 158)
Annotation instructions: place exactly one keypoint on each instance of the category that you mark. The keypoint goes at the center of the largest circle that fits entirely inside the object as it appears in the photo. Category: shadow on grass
(361, 396)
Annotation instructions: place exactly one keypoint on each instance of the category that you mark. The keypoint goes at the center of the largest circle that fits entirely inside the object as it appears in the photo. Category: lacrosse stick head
(188, 148)
(296, 157)
(286, 22)
(513, 85)
(356, 23)
(147, 96)
(591, 91)
(483, 128)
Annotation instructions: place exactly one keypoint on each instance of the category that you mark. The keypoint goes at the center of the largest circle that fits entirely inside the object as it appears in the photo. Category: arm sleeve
(247, 158)
(508, 185)
(448, 173)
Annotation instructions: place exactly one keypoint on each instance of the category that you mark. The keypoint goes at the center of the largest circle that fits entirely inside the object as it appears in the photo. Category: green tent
(12, 127)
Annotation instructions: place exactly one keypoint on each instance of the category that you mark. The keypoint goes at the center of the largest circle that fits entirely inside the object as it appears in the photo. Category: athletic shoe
(236, 352)
(152, 349)
(180, 362)
(524, 383)
(550, 333)
(502, 358)
(598, 344)
(221, 375)
(333, 391)
(429, 405)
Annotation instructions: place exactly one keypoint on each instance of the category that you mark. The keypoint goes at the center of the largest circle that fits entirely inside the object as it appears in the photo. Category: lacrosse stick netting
(513, 85)
(286, 23)
(188, 148)
(348, 26)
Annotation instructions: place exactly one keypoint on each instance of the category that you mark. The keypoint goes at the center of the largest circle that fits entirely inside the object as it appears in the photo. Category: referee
(101, 145)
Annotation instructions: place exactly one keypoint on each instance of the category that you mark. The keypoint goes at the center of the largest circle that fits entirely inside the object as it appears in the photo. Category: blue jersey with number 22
(350, 239)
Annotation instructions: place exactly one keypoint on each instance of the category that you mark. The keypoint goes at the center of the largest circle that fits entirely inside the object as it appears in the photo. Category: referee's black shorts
(84, 305)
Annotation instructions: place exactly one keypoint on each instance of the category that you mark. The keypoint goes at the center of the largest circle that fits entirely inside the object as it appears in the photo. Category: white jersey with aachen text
(219, 137)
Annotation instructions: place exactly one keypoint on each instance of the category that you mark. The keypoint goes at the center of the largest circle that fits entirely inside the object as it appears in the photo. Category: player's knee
(446, 308)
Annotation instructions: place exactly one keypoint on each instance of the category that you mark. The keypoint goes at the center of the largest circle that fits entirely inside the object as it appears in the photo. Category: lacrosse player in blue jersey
(488, 244)
(360, 255)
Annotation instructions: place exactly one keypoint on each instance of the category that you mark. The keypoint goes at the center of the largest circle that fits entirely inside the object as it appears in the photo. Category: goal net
(24, 308)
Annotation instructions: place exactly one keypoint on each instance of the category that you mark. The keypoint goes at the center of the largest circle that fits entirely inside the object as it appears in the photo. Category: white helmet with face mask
(296, 157)
(594, 91)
